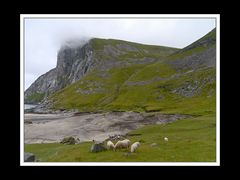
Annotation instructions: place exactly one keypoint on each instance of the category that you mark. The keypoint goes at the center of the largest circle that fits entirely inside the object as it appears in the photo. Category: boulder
(97, 147)
(29, 157)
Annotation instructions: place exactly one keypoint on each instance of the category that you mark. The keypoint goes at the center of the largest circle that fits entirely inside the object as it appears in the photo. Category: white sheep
(122, 144)
(110, 145)
(134, 146)
(165, 139)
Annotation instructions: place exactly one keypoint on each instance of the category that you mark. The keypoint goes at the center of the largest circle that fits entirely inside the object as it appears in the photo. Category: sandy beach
(49, 128)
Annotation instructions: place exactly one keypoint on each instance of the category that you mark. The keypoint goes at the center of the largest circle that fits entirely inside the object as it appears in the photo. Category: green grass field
(190, 140)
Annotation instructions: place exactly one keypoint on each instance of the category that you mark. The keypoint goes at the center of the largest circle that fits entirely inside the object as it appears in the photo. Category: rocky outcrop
(206, 58)
(72, 64)
(201, 53)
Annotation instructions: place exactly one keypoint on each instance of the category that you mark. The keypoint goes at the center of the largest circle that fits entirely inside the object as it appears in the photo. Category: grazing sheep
(122, 144)
(110, 145)
(134, 146)
(165, 139)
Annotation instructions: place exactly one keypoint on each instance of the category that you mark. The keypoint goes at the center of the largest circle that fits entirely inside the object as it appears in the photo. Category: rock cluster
(69, 140)
(116, 137)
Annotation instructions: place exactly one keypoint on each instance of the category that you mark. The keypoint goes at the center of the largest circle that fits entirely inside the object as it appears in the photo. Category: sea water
(29, 106)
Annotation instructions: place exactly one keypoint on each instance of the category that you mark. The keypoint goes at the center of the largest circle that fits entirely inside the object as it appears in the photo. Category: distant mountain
(115, 75)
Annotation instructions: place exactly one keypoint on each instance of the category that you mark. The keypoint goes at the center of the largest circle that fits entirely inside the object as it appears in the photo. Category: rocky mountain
(115, 75)
(74, 61)
(72, 64)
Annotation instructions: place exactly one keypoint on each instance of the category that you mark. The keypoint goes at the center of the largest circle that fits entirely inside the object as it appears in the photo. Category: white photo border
(118, 16)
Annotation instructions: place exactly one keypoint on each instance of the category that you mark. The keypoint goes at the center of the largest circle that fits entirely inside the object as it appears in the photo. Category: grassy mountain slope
(156, 86)
(118, 61)
(162, 95)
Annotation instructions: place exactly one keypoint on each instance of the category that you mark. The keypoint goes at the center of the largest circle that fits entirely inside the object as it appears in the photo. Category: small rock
(29, 157)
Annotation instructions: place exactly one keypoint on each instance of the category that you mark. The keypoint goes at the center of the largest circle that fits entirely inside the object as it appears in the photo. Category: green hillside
(156, 86)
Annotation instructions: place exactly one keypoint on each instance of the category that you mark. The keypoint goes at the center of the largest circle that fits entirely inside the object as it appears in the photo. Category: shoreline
(51, 128)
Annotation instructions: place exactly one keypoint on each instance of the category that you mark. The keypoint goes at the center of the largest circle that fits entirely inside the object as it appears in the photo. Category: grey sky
(43, 37)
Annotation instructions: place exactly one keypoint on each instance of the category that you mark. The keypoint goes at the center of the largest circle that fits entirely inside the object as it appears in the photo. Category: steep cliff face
(72, 64)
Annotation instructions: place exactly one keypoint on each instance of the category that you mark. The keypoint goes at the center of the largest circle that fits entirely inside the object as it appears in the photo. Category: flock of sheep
(123, 144)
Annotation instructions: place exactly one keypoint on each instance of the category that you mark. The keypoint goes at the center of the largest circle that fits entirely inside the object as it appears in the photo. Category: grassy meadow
(190, 140)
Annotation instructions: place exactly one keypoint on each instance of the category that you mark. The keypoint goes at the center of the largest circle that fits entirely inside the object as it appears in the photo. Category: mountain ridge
(141, 78)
